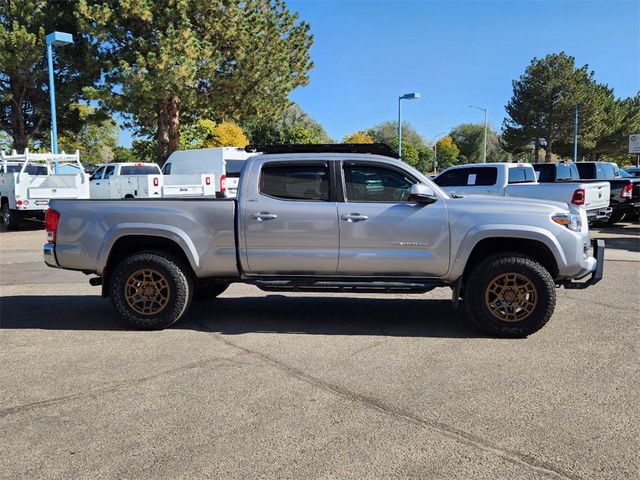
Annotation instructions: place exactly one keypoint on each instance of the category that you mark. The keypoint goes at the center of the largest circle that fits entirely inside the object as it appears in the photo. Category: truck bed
(203, 227)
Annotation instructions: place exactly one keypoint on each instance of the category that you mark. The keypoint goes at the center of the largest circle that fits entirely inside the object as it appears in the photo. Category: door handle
(260, 216)
(354, 217)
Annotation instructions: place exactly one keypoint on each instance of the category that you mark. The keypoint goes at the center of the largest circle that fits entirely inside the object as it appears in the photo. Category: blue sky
(455, 53)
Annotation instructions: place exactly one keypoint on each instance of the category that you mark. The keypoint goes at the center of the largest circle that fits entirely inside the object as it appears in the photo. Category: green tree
(124, 154)
(543, 104)
(96, 140)
(24, 92)
(175, 61)
(447, 152)
(293, 126)
(413, 145)
(469, 138)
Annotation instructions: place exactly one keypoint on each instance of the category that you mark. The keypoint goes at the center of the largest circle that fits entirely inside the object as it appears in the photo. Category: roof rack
(371, 148)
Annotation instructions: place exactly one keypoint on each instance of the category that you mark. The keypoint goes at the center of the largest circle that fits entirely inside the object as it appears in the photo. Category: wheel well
(128, 195)
(128, 245)
(534, 249)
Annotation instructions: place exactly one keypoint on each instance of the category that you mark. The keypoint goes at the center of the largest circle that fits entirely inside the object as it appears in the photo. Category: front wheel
(151, 290)
(510, 295)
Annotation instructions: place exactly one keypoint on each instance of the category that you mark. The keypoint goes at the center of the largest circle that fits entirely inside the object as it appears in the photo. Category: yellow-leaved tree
(358, 137)
(206, 134)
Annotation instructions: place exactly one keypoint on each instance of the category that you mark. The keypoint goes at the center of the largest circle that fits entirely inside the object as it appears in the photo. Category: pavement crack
(112, 387)
(449, 431)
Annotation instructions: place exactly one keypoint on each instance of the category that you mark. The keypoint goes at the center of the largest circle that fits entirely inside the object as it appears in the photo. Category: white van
(225, 163)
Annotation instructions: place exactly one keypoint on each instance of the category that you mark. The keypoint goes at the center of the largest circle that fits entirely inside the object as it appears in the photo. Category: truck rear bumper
(601, 214)
(596, 274)
(49, 253)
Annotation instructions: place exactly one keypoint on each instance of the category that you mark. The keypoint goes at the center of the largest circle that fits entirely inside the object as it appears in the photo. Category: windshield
(234, 167)
(31, 169)
(140, 170)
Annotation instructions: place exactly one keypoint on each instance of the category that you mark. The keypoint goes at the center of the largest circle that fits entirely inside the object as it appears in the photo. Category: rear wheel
(510, 295)
(615, 218)
(10, 219)
(151, 290)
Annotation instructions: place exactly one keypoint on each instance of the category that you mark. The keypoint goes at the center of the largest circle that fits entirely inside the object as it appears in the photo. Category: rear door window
(109, 171)
(304, 181)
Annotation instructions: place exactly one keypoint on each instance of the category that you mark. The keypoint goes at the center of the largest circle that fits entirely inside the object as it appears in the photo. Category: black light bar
(370, 148)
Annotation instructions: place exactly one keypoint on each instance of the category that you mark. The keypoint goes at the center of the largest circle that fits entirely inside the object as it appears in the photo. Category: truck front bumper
(596, 274)
(49, 253)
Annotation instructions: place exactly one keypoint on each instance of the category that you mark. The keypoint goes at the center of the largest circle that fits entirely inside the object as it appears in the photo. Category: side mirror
(422, 193)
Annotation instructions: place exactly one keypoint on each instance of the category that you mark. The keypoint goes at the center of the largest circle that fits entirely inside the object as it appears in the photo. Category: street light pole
(406, 96)
(484, 154)
(435, 152)
(575, 133)
(54, 39)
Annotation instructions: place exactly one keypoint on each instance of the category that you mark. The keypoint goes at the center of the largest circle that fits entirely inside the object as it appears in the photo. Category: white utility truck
(28, 182)
(127, 180)
(145, 180)
(225, 163)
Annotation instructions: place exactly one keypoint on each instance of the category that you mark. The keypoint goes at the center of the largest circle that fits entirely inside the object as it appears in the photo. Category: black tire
(169, 284)
(209, 291)
(615, 218)
(525, 300)
(10, 219)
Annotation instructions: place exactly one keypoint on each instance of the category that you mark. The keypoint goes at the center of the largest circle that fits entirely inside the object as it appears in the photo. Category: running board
(355, 286)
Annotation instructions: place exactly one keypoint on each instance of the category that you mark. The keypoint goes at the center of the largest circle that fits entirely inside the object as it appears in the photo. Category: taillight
(207, 181)
(156, 181)
(51, 219)
(19, 202)
(627, 190)
(223, 183)
(578, 197)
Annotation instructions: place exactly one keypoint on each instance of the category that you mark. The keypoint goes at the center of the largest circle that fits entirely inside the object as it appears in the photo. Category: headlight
(572, 222)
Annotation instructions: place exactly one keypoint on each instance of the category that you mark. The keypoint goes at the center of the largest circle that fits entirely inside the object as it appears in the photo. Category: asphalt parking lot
(258, 385)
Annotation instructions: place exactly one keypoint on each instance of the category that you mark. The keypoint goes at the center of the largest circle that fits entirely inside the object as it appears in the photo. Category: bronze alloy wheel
(147, 291)
(511, 297)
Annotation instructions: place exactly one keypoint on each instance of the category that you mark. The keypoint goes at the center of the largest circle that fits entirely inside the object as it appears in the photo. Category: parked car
(625, 192)
(330, 218)
(519, 180)
(28, 183)
(225, 163)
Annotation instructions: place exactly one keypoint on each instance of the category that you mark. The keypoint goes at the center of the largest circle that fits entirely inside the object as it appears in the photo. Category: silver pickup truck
(341, 218)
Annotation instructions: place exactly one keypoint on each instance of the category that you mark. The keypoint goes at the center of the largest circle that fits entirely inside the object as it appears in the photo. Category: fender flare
(487, 231)
(168, 232)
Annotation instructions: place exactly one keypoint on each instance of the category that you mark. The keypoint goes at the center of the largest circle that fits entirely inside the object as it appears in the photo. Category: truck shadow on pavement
(316, 315)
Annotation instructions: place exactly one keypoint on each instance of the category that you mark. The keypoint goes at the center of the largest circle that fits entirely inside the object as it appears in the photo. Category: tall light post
(54, 39)
(435, 151)
(406, 96)
(484, 154)
(575, 133)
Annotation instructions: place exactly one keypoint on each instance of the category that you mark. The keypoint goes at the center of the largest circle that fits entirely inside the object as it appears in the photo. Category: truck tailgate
(596, 195)
(197, 185)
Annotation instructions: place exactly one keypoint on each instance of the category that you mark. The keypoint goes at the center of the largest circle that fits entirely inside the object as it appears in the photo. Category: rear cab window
(295, 181)
(140, 170)
(521, 175)
(462, 177)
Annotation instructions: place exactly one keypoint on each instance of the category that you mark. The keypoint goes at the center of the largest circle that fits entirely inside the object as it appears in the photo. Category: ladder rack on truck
(28, 182)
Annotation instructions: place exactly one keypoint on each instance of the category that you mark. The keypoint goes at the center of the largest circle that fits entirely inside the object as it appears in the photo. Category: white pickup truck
(519, 180)
(145, 180)
(28, 182)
